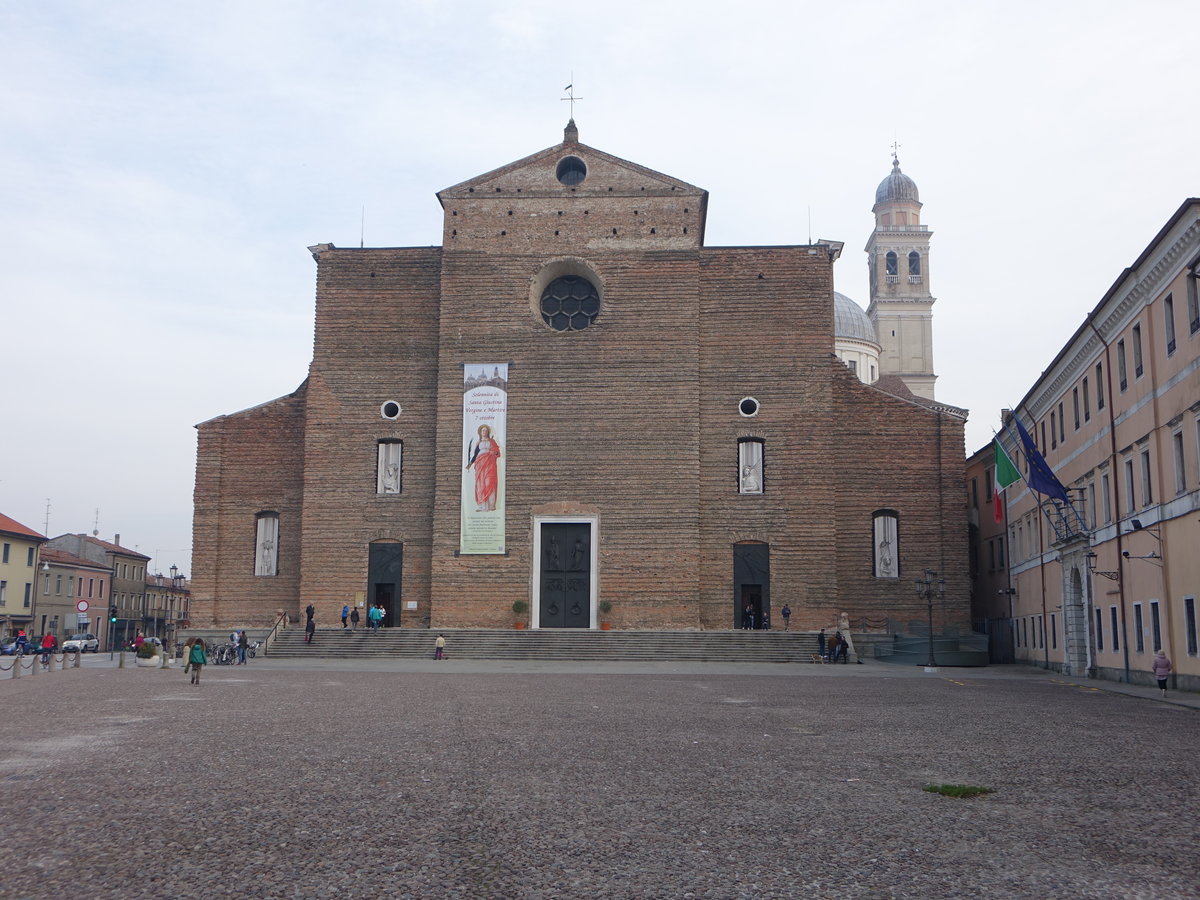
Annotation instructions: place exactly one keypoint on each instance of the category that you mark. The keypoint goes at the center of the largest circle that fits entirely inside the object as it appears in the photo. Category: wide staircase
(550, 644)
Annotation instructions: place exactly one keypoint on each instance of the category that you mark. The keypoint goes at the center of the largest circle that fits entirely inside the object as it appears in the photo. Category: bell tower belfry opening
(901, 307)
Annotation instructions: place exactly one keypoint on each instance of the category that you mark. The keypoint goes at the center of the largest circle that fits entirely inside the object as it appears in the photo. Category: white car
(81, 643)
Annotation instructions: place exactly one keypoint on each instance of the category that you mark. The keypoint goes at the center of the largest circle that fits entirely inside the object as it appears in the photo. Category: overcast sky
(166, 165)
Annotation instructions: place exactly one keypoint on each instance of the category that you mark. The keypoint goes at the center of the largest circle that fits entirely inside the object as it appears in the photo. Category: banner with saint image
(485, 415)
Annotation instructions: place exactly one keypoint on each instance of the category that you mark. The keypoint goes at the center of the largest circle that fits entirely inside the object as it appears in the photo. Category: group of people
(350, 619)
(833, 648)
(241, 641)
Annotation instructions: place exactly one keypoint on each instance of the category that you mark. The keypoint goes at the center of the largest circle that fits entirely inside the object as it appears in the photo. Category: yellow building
(18, 575)
(1101, 586)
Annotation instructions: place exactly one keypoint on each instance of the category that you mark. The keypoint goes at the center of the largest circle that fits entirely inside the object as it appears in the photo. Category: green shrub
(520, 607)
(147, 650)
(604, 606)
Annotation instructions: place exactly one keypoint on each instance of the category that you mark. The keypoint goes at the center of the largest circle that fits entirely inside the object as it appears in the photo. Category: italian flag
(1006, 474)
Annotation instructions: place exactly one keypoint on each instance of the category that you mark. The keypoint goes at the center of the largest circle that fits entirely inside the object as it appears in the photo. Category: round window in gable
(571, 170)
(748, 406)
(570, 303)
(390, 410)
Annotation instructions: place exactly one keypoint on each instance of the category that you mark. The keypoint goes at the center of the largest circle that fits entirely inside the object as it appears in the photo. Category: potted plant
(519, 608)
(604, 607)
(147, 654)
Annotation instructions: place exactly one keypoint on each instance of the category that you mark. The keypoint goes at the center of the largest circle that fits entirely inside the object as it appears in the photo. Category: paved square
(528, 781)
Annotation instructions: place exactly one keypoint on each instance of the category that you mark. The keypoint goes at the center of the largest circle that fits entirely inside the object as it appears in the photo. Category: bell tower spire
(901, 307)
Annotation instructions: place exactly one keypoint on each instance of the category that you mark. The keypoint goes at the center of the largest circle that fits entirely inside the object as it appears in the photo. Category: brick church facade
(574, 400)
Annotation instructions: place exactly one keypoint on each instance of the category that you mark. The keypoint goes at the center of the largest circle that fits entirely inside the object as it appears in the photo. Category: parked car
(81, 643)
(8, 647)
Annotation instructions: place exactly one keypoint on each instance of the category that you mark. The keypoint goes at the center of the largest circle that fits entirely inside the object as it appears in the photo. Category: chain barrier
(33, 662)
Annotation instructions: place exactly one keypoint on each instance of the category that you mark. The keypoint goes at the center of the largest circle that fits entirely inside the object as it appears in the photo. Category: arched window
(914, 263)
(750, 465)
(886, 543)
(891, 261)
(266, 544)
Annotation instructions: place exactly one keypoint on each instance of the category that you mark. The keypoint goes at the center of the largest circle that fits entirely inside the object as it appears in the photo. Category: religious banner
(485, 416)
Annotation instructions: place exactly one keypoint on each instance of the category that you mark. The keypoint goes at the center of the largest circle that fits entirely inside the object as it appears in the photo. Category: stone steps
(552, 644)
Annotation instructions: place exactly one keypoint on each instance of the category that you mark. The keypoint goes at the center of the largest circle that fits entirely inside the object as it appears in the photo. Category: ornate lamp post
(929, 588)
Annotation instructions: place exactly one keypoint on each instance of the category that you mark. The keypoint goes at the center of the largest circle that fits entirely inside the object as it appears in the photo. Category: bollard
(16, 667)
(164, 665)
(33, 669)
(78, 655)
(121, 660)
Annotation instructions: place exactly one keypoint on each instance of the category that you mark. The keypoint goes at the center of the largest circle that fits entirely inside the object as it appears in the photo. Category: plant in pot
(519, 608)
(147, 654)
(604, 607)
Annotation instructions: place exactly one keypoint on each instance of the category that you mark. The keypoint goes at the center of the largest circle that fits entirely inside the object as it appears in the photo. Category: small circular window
(570, 303)
(571, 170)
(748, 406)
(390, 410)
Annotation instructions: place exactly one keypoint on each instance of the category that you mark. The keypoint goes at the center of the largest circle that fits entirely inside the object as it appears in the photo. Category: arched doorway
(385, 568)
(751, 584)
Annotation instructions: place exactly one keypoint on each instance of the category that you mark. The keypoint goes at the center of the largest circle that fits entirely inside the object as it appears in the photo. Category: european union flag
(1041, 477)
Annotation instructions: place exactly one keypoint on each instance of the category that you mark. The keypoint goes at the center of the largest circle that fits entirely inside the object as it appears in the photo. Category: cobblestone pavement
(301, 779)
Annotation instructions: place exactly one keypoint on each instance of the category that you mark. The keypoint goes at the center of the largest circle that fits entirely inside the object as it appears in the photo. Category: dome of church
(849, 320)
(897, 186)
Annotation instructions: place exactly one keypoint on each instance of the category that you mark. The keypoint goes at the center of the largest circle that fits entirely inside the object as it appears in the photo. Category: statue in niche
(391, 478)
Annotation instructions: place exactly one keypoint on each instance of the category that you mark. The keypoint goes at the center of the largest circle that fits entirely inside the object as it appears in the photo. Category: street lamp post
(929, 588)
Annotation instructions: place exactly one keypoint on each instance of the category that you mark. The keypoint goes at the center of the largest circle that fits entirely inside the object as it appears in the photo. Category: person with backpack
(354, 619)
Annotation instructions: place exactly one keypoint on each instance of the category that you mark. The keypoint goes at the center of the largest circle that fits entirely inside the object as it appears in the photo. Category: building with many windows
(19, 565)
(127, 582)
(574, 400)
(1102, 584)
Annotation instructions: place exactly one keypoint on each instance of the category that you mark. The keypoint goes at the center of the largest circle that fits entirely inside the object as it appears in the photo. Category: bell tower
(901, 307)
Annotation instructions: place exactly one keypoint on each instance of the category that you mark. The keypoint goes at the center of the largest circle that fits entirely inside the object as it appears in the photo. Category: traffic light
(112, 614)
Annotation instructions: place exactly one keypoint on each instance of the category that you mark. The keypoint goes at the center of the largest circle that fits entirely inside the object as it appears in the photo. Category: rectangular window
(3, 593)
(1122, 373)
(975, 493)
(1062, 424)
(886, 528)
(1099, 386)
(1075, 405)
(7, 547)
(1043, 445)
(58, 585)
(46, 585)
(91, 583)
(1139, 638)
(1147, 488)
(1116, 634)
(1053, 431)
(987, 484)
(1189, 622)
(29, 557)
(387, 467)
(100, 590)
(1155, 626)
(1092, 504)
(1041, 628)
(1137, 351)
(991, 556)
(1106, 498)
(1169, 323)
(1180, 469)
(852, 365)
(1130, 496)
(1053, 631)
(1000, 551)
(1099, 630)
(266, 544)
(1193, 302)
(1087, 402)
(28, 595)
(750, 466)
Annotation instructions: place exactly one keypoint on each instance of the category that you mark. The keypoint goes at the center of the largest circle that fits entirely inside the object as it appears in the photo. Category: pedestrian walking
(840, 647)
(310, 628)
(786, 612)
(354, 619)
(243, 644)
(439, 647)
(309, 612)
(373, 619)
(821, 643)
(1162, 668)
(197, 659)
(345, 614)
